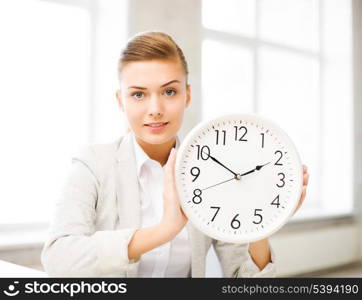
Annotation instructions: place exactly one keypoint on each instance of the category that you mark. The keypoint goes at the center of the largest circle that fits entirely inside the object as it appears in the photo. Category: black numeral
(197, 196)
(235, 224)
(242, 137)
(197, 173)
(276, 201)
(217, 136)
(262, 140)
(281, 155)
(217, 210)
(282, 180)
(258, 215)
(203, 152)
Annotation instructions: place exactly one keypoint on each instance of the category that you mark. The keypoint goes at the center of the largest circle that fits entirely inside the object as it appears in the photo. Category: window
(55, 70)
(291, 62)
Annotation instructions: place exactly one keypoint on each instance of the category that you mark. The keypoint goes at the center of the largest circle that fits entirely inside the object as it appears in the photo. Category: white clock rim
(243, 116)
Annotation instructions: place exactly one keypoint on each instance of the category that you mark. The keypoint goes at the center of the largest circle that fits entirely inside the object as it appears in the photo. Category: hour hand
(257, 168)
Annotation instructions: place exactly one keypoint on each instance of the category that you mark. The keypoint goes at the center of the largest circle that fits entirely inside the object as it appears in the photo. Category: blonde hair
(151, 45)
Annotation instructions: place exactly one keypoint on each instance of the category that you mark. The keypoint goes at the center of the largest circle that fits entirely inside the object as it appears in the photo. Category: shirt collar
(141, 156)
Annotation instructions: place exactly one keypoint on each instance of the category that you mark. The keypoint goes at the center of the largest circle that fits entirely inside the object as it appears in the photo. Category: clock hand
(218, 184)
(215, 160)
(257, 168)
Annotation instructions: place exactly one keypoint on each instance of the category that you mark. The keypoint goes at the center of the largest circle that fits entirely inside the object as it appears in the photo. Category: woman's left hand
(304, 189)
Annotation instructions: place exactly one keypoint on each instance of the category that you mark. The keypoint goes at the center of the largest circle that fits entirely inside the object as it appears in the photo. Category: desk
(12, 270)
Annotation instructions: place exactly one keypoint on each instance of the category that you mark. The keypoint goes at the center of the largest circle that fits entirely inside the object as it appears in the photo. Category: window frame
(254, 44)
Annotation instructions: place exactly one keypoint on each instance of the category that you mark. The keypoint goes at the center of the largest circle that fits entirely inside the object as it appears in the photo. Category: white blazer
(99, 210)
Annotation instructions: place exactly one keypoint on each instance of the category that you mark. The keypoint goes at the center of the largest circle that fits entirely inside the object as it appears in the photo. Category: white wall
(357, 57)
(312, 249)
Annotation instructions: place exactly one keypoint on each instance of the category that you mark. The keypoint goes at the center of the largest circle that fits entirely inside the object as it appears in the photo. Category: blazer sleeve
(236, 261)
(73, 247)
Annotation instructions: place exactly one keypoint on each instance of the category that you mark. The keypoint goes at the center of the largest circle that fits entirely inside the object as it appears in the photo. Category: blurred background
(297, 62)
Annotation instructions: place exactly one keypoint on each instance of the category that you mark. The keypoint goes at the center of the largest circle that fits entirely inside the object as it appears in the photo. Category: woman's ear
(188, 95)
(119, 99)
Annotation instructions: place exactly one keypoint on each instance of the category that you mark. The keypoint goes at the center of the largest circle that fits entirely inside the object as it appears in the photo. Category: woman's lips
(156, 126)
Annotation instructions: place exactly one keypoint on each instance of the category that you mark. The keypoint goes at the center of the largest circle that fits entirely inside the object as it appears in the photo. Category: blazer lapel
(127, 190)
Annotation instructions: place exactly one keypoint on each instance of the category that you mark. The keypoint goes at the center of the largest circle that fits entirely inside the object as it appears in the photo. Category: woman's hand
(304, 189)
(173, 219)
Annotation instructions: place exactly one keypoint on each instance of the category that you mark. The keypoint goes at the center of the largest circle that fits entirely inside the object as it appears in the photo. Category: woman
(119, 213)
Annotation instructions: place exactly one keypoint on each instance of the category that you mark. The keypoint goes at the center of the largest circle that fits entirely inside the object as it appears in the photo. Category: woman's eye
(170, 92)
(137, 95)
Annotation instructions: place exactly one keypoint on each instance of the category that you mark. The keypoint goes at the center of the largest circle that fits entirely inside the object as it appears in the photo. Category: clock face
(239, 177)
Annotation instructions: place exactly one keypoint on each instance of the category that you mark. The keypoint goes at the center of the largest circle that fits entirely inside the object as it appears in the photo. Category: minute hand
(215, 160)
(257, 168)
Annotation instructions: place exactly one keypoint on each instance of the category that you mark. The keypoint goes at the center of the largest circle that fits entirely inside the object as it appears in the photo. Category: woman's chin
(156, 139)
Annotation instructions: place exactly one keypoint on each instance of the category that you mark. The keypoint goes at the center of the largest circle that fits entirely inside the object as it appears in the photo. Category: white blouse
(172, 259)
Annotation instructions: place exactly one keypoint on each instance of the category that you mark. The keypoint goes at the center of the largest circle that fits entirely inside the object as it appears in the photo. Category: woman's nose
(155, 106)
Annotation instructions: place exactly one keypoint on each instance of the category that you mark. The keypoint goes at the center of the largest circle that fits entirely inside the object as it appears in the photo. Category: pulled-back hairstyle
(151, 45)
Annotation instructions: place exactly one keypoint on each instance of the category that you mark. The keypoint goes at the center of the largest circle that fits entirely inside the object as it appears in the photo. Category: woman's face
(154, 91)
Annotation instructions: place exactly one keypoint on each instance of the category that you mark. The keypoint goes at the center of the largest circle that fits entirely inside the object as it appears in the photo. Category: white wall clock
(239, 177)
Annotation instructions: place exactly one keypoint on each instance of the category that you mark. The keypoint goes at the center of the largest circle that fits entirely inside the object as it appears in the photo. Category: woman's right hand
(173, 219)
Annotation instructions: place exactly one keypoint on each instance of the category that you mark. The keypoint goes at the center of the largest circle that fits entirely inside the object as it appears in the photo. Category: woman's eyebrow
(137, 87)
(143, 88)
(172, 81)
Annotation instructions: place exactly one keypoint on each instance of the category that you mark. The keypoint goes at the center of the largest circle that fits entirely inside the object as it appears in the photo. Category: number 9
(197, 173)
